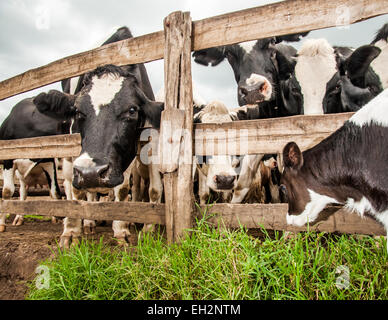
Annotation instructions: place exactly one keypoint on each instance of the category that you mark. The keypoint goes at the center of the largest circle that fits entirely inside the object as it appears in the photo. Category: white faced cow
(108, 112)
(348, 167)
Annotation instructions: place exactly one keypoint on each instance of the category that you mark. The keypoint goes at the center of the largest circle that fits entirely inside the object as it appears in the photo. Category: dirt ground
(23, 247)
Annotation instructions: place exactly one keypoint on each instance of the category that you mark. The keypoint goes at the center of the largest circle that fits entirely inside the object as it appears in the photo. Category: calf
(348, 167)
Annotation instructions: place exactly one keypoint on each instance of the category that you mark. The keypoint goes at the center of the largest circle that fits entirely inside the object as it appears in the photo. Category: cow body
(25, 121)
(348, 167)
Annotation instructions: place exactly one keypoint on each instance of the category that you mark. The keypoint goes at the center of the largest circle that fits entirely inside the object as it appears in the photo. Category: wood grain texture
(58, 146)
(265, 135)
(139, 212)
(273, 216)
(260, 22)
(178, 184)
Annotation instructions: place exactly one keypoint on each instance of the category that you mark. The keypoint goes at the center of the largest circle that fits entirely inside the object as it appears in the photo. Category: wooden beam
(139, 212)
(265, 135)
(260, 22)
(58, 146)
(178, 184)
(285, 17)
(130, 51)
(273, 216)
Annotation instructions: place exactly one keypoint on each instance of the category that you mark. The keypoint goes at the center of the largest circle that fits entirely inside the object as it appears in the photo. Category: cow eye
(80, 115)
(129, 114)
(283, 189)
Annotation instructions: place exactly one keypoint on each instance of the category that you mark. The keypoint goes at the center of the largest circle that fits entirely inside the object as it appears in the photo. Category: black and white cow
(256, 66)
(25, 121)
(348, 167)
(355, 83)
(379, 65)
(323, 79)
(108, 112)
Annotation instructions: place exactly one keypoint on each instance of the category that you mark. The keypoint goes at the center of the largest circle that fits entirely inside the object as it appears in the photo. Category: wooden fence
(175, 43)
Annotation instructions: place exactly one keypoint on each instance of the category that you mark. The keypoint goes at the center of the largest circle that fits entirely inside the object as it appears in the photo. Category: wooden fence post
(176, 132)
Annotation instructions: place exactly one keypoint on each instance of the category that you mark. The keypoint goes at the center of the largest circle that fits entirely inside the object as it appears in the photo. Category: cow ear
(292, 156)
(152, 110)
(211, 56)
(56, 104)
(358, 63)
(285, 66)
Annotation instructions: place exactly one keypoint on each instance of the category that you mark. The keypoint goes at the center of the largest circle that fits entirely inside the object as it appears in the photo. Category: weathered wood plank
(273, 216)
(130, 51)
(58, 146)
(178, 184)
(285, 17)
(265, 135)
(139, 212)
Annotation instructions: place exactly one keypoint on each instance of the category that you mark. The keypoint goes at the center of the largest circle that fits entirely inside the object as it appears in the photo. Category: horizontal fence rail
(59, 146)
(286, 17)
(233, 138)
(268, 216)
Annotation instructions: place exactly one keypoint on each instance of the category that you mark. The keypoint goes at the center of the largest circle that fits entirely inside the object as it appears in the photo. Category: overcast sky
(36, 32)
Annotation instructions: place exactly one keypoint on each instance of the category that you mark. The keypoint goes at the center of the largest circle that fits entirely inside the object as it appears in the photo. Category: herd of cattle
(110, 105)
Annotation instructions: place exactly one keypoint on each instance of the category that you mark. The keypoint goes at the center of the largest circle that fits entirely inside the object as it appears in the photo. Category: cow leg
(121, 228)
(8, 188)
(67, 172)
(203, 189)
(90, 225)
(50, 171)
(155, 191)
(72, 228)
(19, 219)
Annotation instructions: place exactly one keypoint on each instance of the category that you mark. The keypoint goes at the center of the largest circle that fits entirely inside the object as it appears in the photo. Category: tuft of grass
(211, 263)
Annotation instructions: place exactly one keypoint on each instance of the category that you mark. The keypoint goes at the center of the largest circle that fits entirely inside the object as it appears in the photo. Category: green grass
(214, 264)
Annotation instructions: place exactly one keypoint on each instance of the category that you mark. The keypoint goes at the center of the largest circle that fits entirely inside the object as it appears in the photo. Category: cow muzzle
(94, 177)
(224, 182)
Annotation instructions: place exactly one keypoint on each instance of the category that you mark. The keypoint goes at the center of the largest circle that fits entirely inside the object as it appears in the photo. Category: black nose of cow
(252, 94)
(90, 177)
(224, 182)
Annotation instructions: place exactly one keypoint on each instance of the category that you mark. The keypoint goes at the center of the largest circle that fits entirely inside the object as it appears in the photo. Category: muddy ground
(23, 247)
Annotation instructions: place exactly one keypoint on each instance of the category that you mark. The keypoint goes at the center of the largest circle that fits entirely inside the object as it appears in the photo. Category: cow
(348, 167)
(256, 66)
(74, 86)
(325, 79)
(108, 112)
(218, 172)
(355, 83)
(25, 121)
(379, 65)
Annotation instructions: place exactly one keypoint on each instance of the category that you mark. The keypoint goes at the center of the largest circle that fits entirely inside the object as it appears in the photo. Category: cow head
(253, 64)
(292, 184)
(107, 112)
(219, 170)
(355, 83)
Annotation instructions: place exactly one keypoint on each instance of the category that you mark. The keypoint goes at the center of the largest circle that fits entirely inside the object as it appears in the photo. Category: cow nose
(224, 182)
(89, 177)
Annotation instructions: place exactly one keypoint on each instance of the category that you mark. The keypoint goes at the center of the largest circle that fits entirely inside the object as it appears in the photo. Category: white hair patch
(104, 90)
